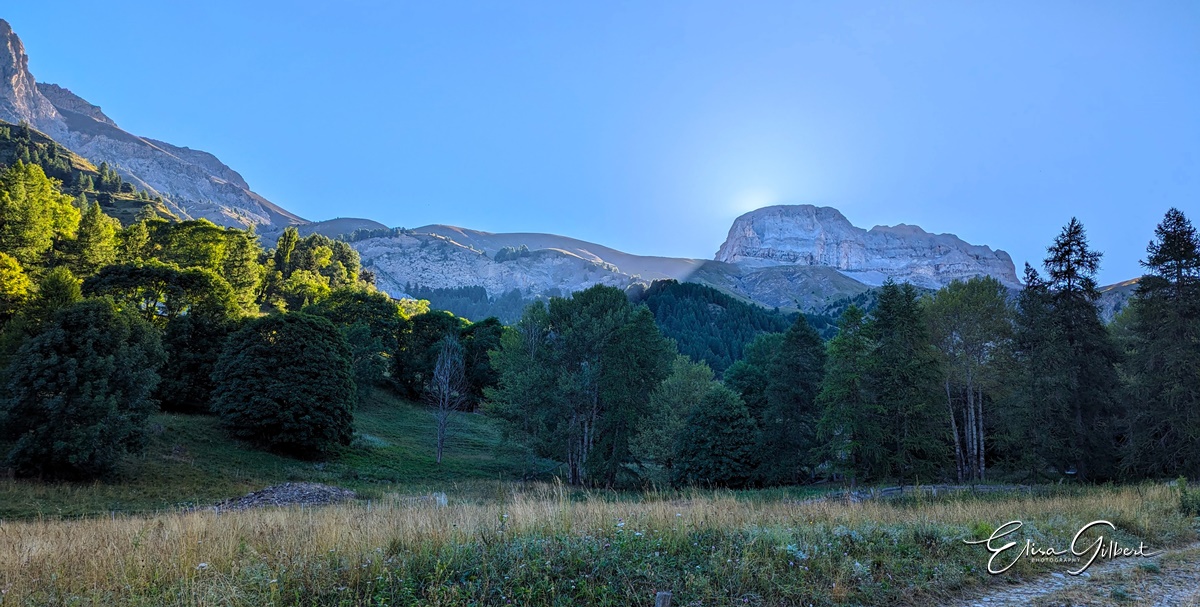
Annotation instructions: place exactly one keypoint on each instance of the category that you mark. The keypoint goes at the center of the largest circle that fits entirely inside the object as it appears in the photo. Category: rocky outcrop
(62, 97)
(434, 261)
(20, 100)
(805, 235)
(194, 183)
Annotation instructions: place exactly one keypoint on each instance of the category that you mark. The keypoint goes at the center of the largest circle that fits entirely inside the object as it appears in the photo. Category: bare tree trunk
(447, 388)
(979, 420)
(958, 449)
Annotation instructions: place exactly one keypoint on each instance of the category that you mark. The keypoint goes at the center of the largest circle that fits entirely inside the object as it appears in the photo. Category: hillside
(118, 198)
(192, 461)
(706, 324)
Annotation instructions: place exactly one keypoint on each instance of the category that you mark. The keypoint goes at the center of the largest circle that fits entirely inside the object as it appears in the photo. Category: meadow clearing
(545, 544)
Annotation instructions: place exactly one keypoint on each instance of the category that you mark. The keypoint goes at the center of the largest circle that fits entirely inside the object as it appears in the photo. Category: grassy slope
(190, 461)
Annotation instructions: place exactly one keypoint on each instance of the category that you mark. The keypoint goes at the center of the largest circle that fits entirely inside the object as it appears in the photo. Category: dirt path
(1169, 580)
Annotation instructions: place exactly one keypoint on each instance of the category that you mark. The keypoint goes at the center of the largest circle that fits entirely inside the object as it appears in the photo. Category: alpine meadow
(208, 400)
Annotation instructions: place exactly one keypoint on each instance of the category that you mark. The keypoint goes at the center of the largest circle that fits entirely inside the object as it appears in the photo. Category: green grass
(191, 462)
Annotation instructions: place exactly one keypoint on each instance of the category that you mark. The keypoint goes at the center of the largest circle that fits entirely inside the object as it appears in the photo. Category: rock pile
(288, 494)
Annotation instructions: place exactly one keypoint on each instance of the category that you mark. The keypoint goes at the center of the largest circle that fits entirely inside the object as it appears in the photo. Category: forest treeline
(104, 324)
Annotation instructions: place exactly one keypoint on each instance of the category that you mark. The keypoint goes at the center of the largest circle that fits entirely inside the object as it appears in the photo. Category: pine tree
(851, 428)
(14, 286)
(240, 266)
(1064, 410)
(34, 214)
(1163, 430)
(284, 249)
(285, 382)
(788, 425)
(80, 392)
(904, 381)
(95, 245)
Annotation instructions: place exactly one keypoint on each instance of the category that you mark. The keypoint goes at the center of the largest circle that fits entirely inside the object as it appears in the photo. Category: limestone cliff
(805, 235)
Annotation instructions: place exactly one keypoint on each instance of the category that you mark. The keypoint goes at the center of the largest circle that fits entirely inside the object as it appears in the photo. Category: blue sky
(649, 126)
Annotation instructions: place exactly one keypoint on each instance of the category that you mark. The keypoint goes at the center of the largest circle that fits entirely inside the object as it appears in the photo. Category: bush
(285, 382)
(80, 392)
(716, 448)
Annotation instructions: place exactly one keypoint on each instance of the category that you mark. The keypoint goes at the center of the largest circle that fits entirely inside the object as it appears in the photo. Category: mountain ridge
(794, 257)
(194, 184)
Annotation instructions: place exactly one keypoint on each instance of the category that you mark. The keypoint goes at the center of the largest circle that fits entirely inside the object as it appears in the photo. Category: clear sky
(649, 126)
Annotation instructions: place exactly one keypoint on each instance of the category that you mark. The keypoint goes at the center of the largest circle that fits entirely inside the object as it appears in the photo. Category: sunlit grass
(543, 545)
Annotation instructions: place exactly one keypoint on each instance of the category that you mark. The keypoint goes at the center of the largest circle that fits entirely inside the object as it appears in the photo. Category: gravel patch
(288, 494)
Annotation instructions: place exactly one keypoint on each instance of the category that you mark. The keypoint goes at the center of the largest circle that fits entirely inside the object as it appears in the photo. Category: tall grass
(538, 546)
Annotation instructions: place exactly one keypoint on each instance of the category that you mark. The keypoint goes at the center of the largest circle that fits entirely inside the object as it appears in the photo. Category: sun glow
(754, 198)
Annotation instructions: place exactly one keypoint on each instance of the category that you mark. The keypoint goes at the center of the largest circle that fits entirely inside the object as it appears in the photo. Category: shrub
(80, 392)
(285, 382)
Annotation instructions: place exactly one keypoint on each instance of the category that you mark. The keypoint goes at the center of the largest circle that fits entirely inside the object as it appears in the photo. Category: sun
(754, 198)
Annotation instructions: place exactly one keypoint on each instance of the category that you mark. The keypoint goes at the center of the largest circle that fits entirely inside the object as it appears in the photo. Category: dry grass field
(543, 545)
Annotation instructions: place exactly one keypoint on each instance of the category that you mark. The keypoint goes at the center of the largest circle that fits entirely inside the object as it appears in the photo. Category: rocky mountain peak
(807, 235)
(20, 100)
(63, 98)
(193, 183)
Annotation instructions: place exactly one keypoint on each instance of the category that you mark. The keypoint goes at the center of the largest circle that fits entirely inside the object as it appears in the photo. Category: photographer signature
(1081, 549)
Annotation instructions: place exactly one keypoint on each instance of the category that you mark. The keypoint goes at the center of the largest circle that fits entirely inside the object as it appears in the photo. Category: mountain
(805, 235)
(432, 260)
(192, 183)
(795, 258)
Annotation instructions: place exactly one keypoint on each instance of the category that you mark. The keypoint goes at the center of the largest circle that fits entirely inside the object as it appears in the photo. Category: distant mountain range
(789, 257)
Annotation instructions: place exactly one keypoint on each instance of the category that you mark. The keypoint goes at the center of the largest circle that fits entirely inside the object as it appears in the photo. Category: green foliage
(971, 327)
(304, 287)
(1164, 359)
(95, 246)
(55, 291)
(750, 376)
(19, 143)
(161, 292)
(80, 392)
(670, 405)
(192, 342)
(851, 427)
(1062, 416)
(471, 302)
(285, 382)
(511, 253)
(904, 378)
(34, 214)
(717, 447)
(575, 379)
(478, 340)
(370, 322)
(706, 324)
(417, 347)
(133, 243)
(232, 254)
(788, 423)
(1189, 500)
(14, 286)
